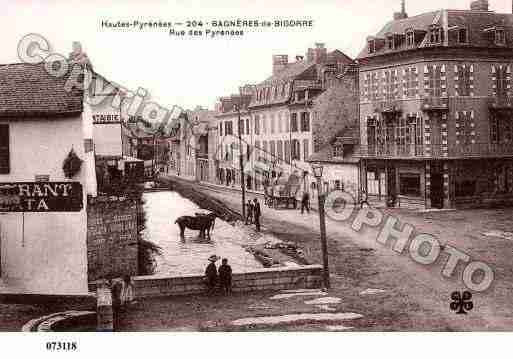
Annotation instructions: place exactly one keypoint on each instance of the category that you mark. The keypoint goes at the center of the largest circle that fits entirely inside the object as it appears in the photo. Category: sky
(197, 71)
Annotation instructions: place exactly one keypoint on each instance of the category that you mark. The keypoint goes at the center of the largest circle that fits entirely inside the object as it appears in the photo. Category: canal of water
(189, 255)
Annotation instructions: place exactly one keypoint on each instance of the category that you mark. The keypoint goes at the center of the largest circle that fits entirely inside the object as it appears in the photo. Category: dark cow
(204, 223)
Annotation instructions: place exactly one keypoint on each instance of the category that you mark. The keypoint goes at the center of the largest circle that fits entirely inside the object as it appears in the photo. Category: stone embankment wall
(264, 279)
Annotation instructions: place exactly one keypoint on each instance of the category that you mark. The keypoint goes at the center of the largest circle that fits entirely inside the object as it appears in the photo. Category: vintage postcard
(274, 166)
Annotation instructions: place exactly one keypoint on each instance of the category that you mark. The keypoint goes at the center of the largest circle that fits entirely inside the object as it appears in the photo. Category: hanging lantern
(72, 164)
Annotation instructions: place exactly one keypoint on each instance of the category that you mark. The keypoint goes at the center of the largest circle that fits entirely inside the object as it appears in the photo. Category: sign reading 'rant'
(41, 197)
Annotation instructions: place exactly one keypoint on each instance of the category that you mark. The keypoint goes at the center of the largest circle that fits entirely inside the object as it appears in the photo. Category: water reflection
(189, 255)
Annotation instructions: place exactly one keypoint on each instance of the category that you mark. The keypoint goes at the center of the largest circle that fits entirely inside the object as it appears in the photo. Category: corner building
(436, 109)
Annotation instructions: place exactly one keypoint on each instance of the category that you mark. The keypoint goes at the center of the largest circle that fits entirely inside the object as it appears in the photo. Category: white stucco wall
(347, 173)
(44, 253)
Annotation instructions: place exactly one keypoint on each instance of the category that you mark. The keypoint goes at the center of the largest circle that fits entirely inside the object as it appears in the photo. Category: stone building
(435, 102)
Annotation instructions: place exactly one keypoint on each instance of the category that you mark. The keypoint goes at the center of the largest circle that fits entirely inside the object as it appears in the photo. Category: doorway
(437, 190)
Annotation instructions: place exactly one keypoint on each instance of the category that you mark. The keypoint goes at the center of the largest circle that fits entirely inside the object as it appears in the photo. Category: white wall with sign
(44, 253)
(107, 130)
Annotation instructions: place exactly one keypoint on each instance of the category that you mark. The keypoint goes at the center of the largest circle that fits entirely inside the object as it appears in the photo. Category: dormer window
(410, 38)
(435, 35)
(390, 42)
(372, 46)
(462, 36)
(338, 150)
(500, 37)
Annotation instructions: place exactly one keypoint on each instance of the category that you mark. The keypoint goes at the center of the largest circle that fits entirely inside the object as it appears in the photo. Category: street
(408, 296)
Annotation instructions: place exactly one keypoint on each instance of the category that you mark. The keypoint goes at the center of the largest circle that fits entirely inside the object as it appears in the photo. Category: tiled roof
(290, 72)
(28, 90)
(476, 22)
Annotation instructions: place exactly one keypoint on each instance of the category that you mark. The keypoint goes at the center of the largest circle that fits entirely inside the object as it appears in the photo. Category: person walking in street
(225, 276)
(256, 214)
(364, 199)
(305, 202)
(211, 275)
(249, 212)
(116, 288)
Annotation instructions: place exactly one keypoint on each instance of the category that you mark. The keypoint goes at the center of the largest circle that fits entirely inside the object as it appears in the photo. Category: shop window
(4, 149)
(409, 184)
(465, 188)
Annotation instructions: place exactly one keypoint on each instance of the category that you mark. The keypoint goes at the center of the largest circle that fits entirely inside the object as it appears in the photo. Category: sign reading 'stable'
(41, 197)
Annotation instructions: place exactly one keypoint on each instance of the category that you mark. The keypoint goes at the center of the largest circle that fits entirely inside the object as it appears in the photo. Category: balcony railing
(474, 150)
(435, 104)
(387, 106)
(500, 103)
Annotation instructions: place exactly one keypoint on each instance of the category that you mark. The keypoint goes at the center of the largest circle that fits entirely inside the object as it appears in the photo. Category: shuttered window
(4, 149)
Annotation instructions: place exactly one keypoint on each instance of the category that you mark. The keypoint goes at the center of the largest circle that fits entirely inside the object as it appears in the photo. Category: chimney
(479, 5)
(78, 55)
(279, 63)
(317, 55)
(401, 15)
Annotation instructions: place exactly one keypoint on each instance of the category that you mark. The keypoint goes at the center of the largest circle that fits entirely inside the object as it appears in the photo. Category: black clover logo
(461, 302)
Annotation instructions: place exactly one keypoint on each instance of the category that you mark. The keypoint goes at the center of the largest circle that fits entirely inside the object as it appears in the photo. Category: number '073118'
(61, 346)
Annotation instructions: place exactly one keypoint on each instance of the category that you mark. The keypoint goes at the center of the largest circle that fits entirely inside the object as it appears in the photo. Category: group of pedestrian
(218, 277)
(253, 213)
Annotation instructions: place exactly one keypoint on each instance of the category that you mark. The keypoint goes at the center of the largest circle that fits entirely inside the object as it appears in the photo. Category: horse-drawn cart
(282, 192)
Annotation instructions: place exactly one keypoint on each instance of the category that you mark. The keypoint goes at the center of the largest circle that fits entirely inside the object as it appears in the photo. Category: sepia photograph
(332, 166)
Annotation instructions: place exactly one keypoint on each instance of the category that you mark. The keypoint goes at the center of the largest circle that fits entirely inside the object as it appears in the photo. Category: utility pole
(241, 159)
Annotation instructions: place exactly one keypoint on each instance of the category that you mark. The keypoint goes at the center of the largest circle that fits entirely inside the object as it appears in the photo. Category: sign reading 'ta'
(41, 197)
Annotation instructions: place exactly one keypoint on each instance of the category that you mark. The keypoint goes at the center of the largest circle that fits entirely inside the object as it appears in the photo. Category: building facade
(43, 202)
(435, 102)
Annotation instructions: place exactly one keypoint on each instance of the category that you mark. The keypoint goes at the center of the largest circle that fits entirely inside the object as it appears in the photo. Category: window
(264, 125)
(305, 122)
(462, 36)
(228, 128)
(434, 74)
(287, 151)
(241, 127)
(221, 129)
(501, 81)
(500, 37)
(247, 126)
(287, 123)
(410, 82)
(371, 46)
(293, 122)
(409, 184)
(273, 148)
(280, 149)
(410, 38)
(306, 152)
(4, 149)
(257, 125)
(296, 151)
(338, 150)
(464, 80)
(280, 123)
(264, 145)
(435, 35)
(273, 124)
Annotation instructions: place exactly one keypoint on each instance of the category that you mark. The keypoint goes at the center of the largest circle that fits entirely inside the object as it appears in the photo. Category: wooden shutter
(4, 149)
